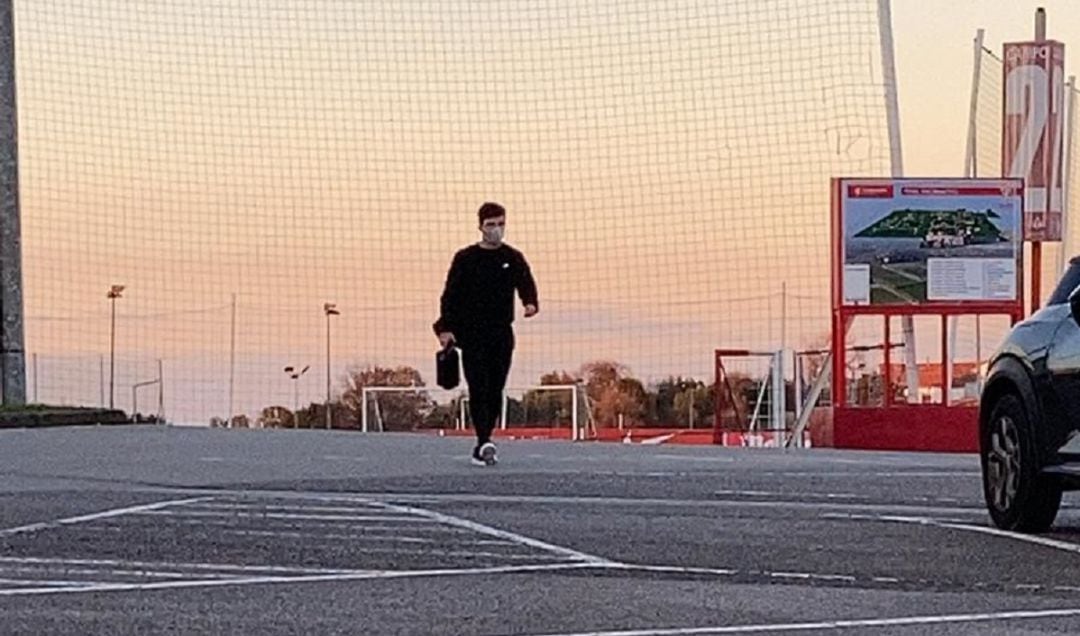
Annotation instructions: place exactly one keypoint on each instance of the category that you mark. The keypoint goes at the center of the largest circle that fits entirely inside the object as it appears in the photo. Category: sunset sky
(665, 166)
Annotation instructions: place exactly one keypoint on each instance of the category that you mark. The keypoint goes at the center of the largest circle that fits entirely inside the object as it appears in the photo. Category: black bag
(448, 367)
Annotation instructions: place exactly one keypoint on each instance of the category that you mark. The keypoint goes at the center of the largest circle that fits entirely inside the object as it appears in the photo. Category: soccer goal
(548, 410)
(751, 391)
(410, 408)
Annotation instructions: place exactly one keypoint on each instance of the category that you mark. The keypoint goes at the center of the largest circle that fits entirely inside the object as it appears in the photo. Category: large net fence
(985, 152)
(236, 165)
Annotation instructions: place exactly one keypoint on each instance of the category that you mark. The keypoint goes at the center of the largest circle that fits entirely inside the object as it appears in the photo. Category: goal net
(237, 165)
(409, 408)
(545, 411)
(751, 391)
(984, 152)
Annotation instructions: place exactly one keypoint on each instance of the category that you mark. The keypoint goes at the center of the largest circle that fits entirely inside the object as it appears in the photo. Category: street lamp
(295, 374)
(330, 309)
(112, 295)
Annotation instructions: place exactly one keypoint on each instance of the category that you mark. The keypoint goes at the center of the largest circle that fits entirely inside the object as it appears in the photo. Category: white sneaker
(487, 454)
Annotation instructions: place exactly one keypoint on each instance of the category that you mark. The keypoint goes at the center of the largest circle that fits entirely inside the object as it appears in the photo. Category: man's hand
(446, 339)
(530, 311)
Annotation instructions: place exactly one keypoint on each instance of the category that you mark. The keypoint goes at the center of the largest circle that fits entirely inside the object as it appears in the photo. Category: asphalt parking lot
(159, 529)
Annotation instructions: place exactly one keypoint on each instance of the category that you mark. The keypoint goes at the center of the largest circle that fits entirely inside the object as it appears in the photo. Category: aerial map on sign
(909, 247)
(939, 228)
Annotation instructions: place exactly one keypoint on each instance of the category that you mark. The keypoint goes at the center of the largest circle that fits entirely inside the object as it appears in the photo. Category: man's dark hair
(490, 211)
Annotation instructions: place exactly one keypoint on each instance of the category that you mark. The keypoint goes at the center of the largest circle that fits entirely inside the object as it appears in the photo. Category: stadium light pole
(295, 375)
(330, 309)
(114, 293)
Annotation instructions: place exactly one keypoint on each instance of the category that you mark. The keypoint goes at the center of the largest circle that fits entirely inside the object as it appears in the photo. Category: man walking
(477, 313)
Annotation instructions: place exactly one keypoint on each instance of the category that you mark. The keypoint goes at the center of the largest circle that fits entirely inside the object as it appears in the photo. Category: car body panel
(1040, 360)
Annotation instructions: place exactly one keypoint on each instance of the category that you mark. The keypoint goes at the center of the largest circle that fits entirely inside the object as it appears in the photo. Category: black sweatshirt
(479, 292)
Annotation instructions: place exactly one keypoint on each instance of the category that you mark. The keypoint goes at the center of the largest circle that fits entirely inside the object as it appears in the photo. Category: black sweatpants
(486, 359)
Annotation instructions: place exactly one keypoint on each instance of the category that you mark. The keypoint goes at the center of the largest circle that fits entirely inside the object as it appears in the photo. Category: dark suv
(1029, 415)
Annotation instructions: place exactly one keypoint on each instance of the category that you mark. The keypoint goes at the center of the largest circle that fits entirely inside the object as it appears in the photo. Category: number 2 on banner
(1057, 121)
(1025, 96)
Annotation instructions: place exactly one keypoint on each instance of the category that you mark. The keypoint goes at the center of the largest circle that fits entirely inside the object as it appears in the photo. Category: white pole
(896, 161)
(816, 390)
(575, 431)
(971, 162)
(502, 414)
(978, 352)
(232, 359)
(363, 410)
(797, 372)
(35, 363)
(783, 315)
(779, 393)
(112, 353)
(1066, 181)
(971, 170)
(954, 323)
(327, 370)
(892, 106)
(161, 391)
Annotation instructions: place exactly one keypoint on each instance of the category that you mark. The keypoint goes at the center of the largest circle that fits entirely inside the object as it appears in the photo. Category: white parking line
(947, 619)
(104, 514)
(211, 567)
(827, 496)
(32, 582)
(316, 578)
(293, 534)
(925, 474)
(261, 507)
(281, 515)
(1015, 536)
(273, 524)
(142, 573)
(1034, 539)
(495, 532)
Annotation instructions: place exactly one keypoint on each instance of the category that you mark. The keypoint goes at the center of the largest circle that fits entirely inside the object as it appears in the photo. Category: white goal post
(575, 404)
(369, 399)
(371, 416)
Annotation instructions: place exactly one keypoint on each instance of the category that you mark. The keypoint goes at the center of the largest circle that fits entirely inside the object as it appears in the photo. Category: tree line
(609, 396)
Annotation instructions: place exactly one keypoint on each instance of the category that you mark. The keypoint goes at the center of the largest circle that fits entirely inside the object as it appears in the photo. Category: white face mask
(494, 235)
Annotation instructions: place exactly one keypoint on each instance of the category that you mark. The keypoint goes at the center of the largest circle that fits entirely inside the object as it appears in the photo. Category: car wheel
(1017, 495)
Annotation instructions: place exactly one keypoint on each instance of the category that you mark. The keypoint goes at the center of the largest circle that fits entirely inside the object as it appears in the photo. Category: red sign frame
(919, 427)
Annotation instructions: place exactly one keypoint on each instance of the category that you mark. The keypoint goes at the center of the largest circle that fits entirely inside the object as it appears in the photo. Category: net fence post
(896, 163)
(12, 354)
(971, 152)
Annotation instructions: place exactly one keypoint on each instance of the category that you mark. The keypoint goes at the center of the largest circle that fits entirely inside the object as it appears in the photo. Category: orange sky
(665, 167)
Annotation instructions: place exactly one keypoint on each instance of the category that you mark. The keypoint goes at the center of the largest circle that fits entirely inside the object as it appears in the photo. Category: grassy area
(47, 415)
(41, 408)
(916, 290)
(882, 296)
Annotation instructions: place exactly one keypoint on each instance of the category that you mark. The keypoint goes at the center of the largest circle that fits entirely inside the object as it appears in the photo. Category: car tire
(1017, 495)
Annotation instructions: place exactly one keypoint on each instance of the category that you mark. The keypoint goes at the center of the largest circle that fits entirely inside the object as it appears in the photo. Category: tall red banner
(1033, 132)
